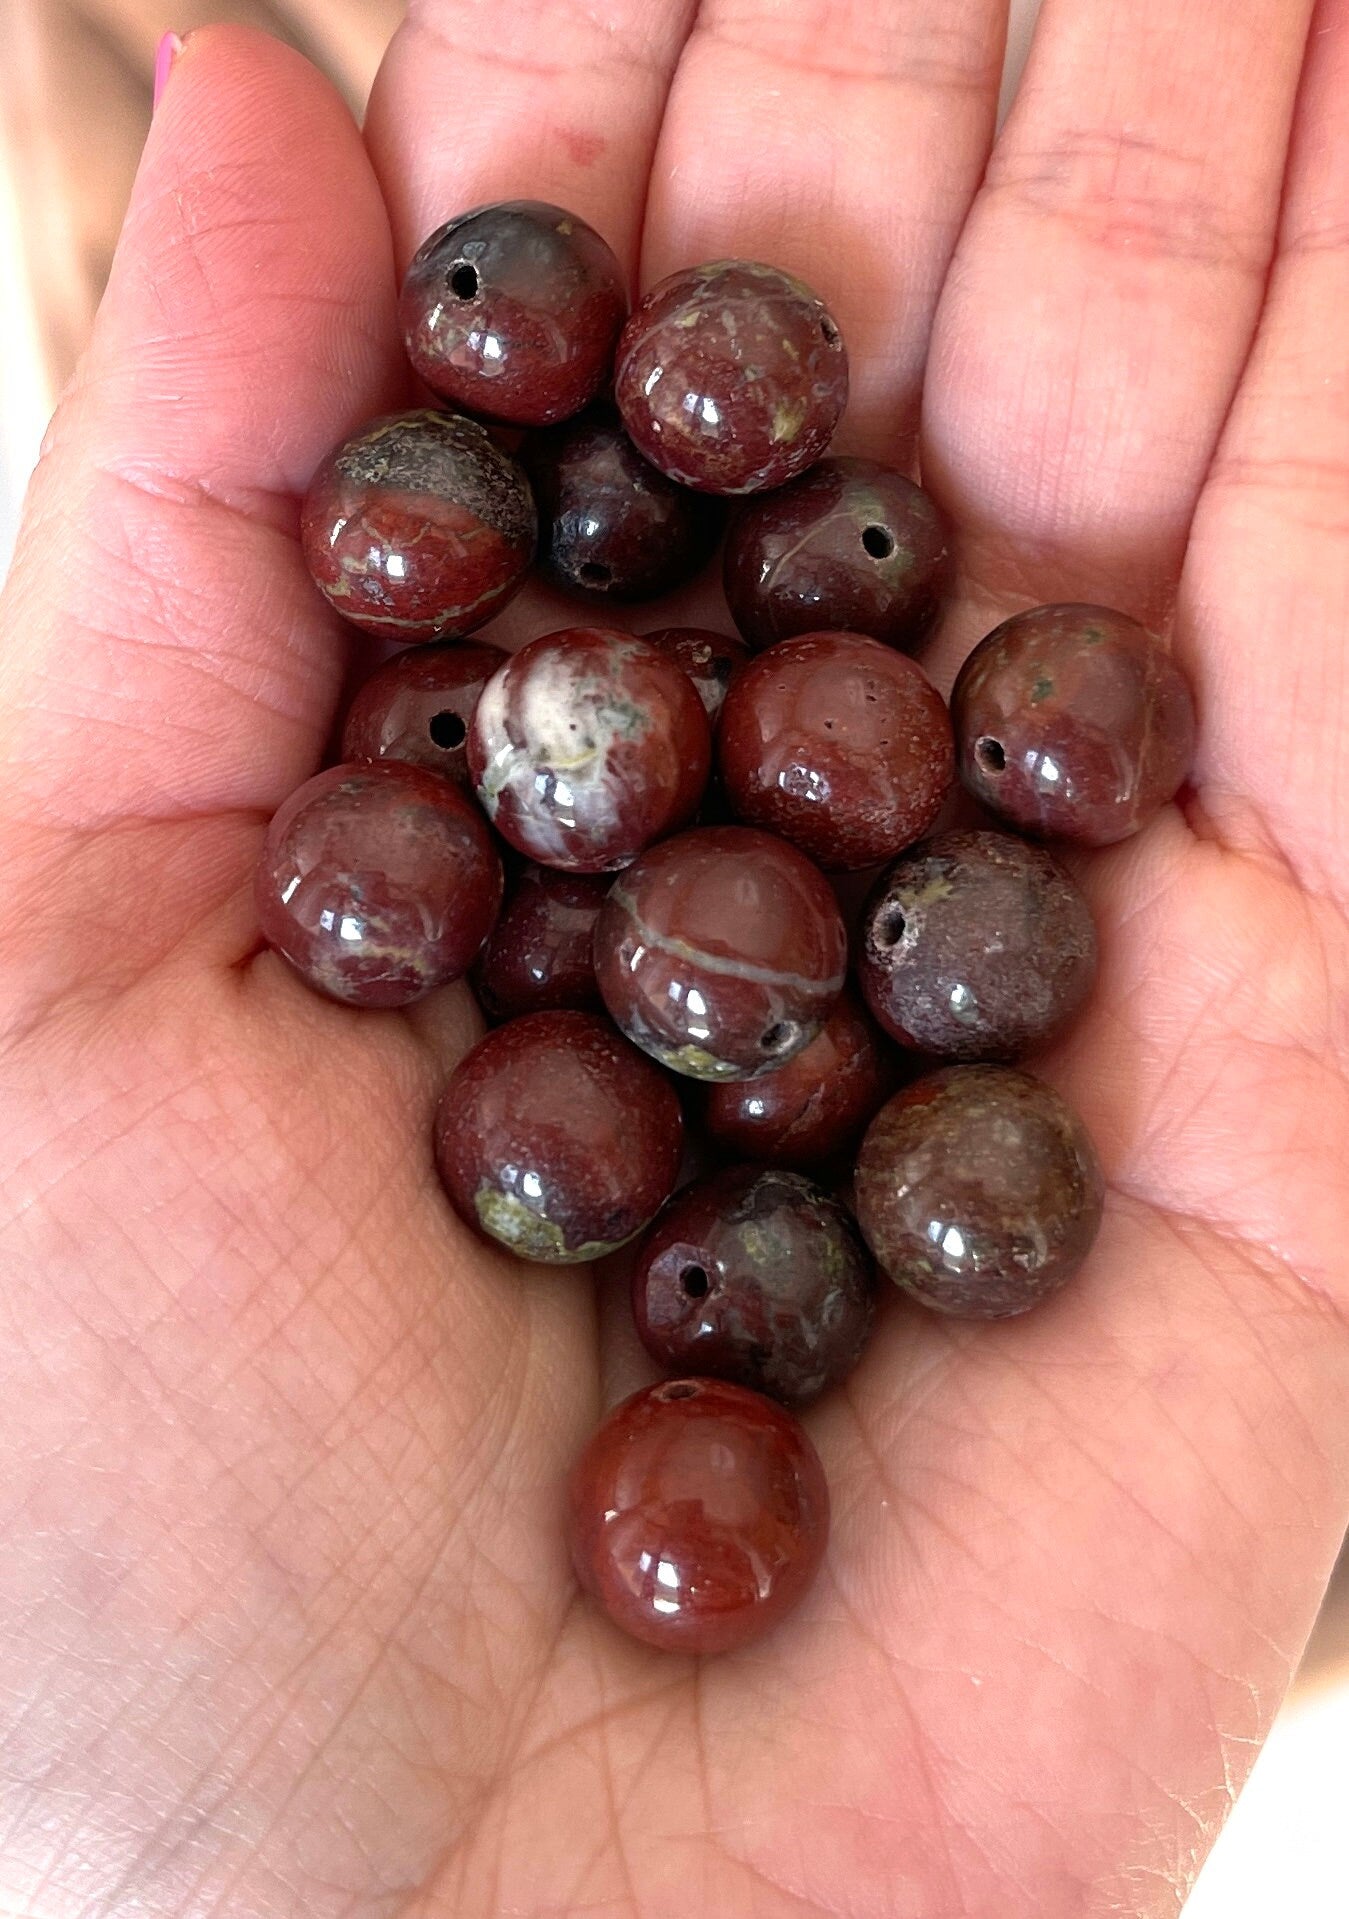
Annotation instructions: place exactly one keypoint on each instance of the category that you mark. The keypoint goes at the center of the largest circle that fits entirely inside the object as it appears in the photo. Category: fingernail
(169, 49)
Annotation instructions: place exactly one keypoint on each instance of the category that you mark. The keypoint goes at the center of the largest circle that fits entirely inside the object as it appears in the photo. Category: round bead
(418, 706)
(709, 659)
(976, 946)
(610, 525)
(513, 311)
(851, 545)
(731, 377)
(586, 746)
(557, 1139)
(699, 1515)
(378, 882)
(721, 953)
(838, 743)
(538, 957)
(756, 1276)
(814, 1109)
(979, 1191)
(1074, 722)
(418, 527)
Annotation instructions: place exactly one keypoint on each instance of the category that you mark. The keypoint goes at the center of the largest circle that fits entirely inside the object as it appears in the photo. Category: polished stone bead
(976, 946)
(557, 1139)
(513, 310)
(838, 743)
(1073, 722)
(721, 953)
(755, 1275)
(418, 706)
(699, 1515)
(586, 746)
(731, 377)
(709, 659)
(377, 882)
(538, 956)
(418, 527)
(851, 546)
(979, 1191)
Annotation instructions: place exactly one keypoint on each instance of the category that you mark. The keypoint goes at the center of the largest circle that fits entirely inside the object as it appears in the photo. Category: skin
(285, 1617)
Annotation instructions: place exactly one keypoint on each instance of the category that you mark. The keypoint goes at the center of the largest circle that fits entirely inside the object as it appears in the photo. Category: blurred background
(75, 86)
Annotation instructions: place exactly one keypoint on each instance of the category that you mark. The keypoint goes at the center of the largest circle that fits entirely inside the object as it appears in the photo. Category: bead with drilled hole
(418, 706)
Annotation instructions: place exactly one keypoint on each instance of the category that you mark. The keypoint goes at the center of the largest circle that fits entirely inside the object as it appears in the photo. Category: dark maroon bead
(709, 659)
(1074, 722)
(699, 1515)
(976, 946)
(418, 527)
(979, 1191)
(586, 746)
(610, 525)
(538, 958)
(731, 377)
(378, 882)
(513, 311)
(757, 1276)
(851, 546)
(814, 1109)
(721, 953)
(838, 743)
(418, 707)
(558, 1139)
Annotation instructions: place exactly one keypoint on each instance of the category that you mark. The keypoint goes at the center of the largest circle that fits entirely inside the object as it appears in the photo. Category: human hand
(287, 1622)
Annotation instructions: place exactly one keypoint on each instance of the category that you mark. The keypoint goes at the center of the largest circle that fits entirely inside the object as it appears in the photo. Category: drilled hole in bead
(681, 1391)
(695, 1282)
(829, 331)
(776, 1037)
(464, 281)
(878, 541)
(447, 730)
(595, 573)
(991, 756)
(890, 927)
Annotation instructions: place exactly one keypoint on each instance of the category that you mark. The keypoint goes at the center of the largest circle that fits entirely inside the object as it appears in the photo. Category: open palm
(286, 1622)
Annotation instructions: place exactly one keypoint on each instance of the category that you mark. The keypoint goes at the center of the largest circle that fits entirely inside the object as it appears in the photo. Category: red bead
(850, 546)
(418, 707)
(557, 1139)
(731, 377)
(611, 526)
(838, 743)
(699, 1515)
(418, 527)
(512, 311)
(814, 1109)
(721, 953)
(979, 1191)
(378, 882)
(757, 1276)
(538, 958)
(1074, 722)
(586, 746)
(709, 659)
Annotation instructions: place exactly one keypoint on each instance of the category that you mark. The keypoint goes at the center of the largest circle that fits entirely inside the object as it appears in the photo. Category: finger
(1105, 291)
(559, 103)
(844, 143)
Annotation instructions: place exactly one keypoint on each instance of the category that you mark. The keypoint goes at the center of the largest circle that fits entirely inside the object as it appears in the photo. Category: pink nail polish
(167, 52)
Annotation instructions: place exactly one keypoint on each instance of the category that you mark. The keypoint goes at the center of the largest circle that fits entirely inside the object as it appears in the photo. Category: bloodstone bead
(418, 527)
(850, 545)
(721, 953)
(558, 1139)
(1074, 722)
(979, 1191)
(699, 1515)
(709, 659)
(610, 525)
(814, 1109)
(757, 1276)
(838, 743)
(513, 310)
(976, 946)
(731, 377)
(418, 707)
(586, 746)
(538, 958)
(378, 882)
